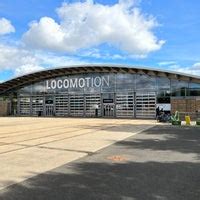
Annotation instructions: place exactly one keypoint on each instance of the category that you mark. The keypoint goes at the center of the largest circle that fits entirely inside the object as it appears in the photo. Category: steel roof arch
(27, 79)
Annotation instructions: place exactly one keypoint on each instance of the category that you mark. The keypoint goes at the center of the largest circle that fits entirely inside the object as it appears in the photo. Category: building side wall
(186, 106)
(4, 108)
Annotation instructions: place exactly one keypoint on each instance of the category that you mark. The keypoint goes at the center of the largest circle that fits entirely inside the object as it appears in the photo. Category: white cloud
(87, 24)
(11, 57)
(196, 66)
(104, 55)
(26, 69)
(6, 26)
(22, 61)
(165, 63)
(193, 70)
(52, 60)
(46, 34)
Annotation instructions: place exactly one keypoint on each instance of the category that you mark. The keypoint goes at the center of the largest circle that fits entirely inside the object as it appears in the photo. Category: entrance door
(49, 106)
(49, 110)
(108, 100)
(108, 110)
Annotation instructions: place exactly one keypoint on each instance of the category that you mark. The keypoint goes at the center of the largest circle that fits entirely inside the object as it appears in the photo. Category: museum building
(114, 91)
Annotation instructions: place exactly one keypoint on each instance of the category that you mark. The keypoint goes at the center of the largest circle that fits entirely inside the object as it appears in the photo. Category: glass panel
(179, 88)
(76, 84)
(25, 90)
(38, 88)
(194, 85)
(145, 82)
(111, 86)
(163, 99)
(93, 82)
(163, 93)
(194, 89)
(163, 83)
(194, 92)
(125, 82)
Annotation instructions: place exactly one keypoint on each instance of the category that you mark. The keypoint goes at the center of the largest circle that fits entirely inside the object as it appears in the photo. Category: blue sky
(35, 35)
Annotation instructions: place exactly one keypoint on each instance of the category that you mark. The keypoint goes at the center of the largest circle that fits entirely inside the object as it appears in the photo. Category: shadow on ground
(97, 178)
(179, 139)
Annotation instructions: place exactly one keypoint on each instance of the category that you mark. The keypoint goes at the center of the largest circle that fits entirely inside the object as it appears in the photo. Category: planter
(176, 123)
(198, 122)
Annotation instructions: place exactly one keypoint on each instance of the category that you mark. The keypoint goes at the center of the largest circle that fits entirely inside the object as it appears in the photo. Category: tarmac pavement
(160, 163)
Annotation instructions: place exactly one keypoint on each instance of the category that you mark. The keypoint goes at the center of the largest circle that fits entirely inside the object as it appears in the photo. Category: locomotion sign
(98, 81)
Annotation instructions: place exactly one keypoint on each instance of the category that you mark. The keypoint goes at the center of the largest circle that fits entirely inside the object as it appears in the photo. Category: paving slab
(30, 146)
(5, 148)
(28, 162)
(93, 141)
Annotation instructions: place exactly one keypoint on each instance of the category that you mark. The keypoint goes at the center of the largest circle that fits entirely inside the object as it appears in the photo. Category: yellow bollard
(187, 120)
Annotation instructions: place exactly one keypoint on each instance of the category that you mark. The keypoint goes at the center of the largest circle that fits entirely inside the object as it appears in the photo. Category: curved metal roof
(100, 68)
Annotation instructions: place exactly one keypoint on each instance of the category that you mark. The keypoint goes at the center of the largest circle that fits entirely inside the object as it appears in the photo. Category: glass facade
(101, 94)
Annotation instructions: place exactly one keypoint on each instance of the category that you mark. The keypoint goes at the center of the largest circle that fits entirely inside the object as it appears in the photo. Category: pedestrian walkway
(30, 146)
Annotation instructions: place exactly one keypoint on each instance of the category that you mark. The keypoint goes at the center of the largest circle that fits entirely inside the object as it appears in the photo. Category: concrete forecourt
(30, 146)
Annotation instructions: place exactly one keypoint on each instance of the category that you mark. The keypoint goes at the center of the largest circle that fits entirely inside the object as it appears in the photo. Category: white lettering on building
(81, 82)
(73, 83)
(53, 84)
(59, 84)
(66, 83)
(105, 82)
(98, 81)
(47, 85)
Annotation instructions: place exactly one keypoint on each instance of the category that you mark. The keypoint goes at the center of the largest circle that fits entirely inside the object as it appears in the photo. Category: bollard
(187, 120)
